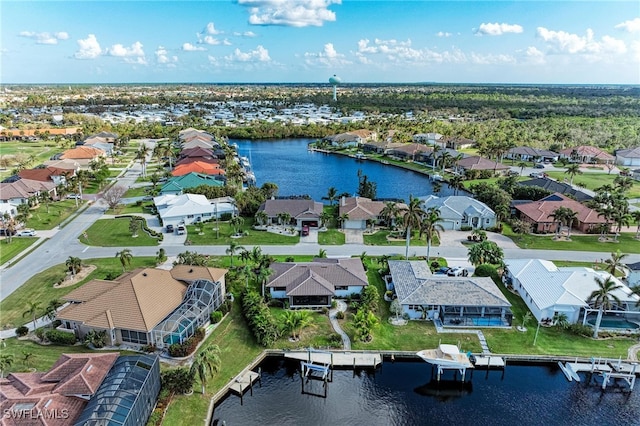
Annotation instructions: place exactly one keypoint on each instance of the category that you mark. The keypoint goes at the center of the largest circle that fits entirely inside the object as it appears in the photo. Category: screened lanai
(202, 298)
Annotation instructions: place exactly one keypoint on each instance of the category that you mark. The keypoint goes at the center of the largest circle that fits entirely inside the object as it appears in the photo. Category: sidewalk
(341, 307)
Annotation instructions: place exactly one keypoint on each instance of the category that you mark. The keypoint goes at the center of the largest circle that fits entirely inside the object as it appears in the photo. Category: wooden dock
(489, 362)
(337, 359)
(243, 382)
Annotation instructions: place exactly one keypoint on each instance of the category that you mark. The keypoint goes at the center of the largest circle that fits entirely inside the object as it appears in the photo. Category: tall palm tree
(603, 299)
(325, 217)
(522, 165)
(570, 217)
(636, 217)
(456, 183)
(32, 311)
(233, 249)
(572, 171)
(431, 227)
(125, 257)
(52, 309)
(205, 364)
(332, 195)
(615, 262)
(343, 218)
(412, 218)
(236, 222)
(261, 217)
(559, 215)
(262, 275)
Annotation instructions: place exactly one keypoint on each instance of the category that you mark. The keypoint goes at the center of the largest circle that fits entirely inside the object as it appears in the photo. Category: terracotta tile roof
(360, 208)
(82, 153)
(24, 188)
(79, 374)
(541, 210)
(190, 273)
(189, 160)
(138, 300)
(198, 167)
(42, 175)
(587, 151)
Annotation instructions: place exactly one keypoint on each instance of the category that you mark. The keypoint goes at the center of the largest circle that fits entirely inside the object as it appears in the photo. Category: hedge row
(262, 324)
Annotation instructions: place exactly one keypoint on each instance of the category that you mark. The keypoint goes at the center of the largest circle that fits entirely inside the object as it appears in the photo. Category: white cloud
(188, 47)
(563, 42)
(245, 34)
(401, 53)
(635, 51)
(443, 34)
(491, 59)
(329, 57)
(45, 38)
(260, 54)
(211, 29)
(632, 26)
(89, 48)
(162, 57)
(534, 55)
(133, 54)
(210, 40)
(226, 42)
(292, 13)
(496, 29)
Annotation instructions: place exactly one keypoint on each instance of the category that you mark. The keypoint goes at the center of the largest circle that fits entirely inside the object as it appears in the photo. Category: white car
(26, 233)
(73, 196)
(458, 271)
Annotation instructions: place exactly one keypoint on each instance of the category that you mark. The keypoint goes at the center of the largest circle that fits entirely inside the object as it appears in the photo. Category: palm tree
(141, 155)
(389, 213)
(125, 257)
(233, 249)
(636, 217)
(603, 299)
(431, 227)
(615, 262)
(412, 218)
(456, 183)
(294, 321)
(261, 217)
(570, 217)
(74, 264)
(161, 256)
(52, 309)
(26, 358)
(522, 165)
(325, 217)
(322, 253)
(343, 218)
(559, 215)
(236, 222)
(205, 364)
(262, 275)
(572, 171)
(332, 195)
(6, 360)
(32, 311)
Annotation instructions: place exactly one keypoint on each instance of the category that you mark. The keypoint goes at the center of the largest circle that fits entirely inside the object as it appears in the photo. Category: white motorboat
(446, 356)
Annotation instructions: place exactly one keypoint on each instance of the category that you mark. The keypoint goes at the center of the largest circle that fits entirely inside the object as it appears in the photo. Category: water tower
(335, 80)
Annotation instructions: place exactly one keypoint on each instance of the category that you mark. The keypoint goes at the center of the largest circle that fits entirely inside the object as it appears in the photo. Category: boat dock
(245, 381)
(608, 369)
(337, 359)
(489, 362)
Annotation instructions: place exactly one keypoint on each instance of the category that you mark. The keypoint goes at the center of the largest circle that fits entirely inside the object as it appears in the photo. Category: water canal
(298, 171)
(402, 393)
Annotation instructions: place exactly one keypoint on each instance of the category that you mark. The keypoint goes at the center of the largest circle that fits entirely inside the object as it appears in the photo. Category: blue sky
(307, 41)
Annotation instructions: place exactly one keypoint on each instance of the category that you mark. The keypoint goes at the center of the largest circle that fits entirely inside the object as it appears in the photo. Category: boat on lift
(446, 356)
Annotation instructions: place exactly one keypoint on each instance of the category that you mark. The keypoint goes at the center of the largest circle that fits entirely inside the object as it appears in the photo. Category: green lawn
(593, 180)
(40, 287)
(330, 237)
(626, 242)
(41, 150)
(115, 233)
(380, 239)
(223, 235)
(58, 212)
(10, 250)
(136, 192)
(135, 208)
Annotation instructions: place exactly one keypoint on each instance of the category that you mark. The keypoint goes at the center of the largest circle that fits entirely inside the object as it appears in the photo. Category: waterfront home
(459, 211)
(315, 284)
(468, 301)
(549, 290)
(456, 143)
(177, 185)
(427, 138)
(628, 157)
(476, 162)
(587, 154)
(526, 153)
(553, 186)
(361, 212)
(191, 208)
(197, 166)
(198, 143)
(540, 214)
(197, 152)
(299, 212)
(407, 151)
(22, 190)
(205, 160)
(351, 139)
(635, 174)
(146, 306)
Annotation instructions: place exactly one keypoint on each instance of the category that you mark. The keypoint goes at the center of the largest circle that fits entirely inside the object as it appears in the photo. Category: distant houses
(628, 157)
(587, 154)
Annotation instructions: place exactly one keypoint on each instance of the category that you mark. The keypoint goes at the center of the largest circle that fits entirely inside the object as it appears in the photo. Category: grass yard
(115, 233)
(58, 212)
(40, 287)
(626, 242)
(40, 150)
(331, 237)
(593, 180)
(316, 335)
(205, 234)
(10, 250)
(136, 192)
(380, 239)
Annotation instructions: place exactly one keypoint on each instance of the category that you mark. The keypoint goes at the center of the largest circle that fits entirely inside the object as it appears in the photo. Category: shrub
(225, 217)
(177, 380)
(485, 270)
(465, 228)
(40, 333)
(580, 330)
(22, 331)
(335, 340)
(259, 318)
(340, 315)
(60, 337)
(215, 317)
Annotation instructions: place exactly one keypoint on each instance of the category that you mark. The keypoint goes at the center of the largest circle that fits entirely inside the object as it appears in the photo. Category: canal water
(404, 393)
(298, 171)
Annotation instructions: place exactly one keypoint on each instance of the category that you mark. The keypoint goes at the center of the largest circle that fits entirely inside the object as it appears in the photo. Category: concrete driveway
(312, 238)
(353, 236)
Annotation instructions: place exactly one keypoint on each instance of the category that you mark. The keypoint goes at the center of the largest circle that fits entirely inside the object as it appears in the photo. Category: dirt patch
(74, 279)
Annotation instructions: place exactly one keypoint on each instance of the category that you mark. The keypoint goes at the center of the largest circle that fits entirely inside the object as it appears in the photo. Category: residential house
(457, 143)
(302, 212)
(8, 210)
(539, 214)
(70, 166)
(635, 174)
(633, 279)
(64, 389)
(467, 301)
(427, 138)
(47, 174)
(476, 162)
(560, 187)
(352, 139)
(549, 290)
(315, 284)
(361, 212)
(197, 152)
(191, 208)
(20, 191)
(377, 147)
(408, 151)
(197, 143)
(197, 166)
(587, 154)
(459, 211)
(83, 155)
(628, 157)
(526, 153)
(146, 306)
(177, 185)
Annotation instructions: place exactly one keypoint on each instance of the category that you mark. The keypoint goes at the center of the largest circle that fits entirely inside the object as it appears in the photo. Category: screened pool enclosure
(202, 298)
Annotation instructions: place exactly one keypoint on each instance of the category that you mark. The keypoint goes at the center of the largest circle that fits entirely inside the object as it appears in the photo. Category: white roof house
(548, 289)
(191, 208)
(628, 157)
(457, 211)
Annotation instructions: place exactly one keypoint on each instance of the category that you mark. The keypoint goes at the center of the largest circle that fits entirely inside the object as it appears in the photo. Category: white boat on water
(446, 356)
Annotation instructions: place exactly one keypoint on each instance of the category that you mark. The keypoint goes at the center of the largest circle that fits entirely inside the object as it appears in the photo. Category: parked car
(538, 175)
(169, 228)
(458, 271)
(305, 231)
(181, 230)
(73, 196)
(441, 271)
(539, 166)
(26, 233)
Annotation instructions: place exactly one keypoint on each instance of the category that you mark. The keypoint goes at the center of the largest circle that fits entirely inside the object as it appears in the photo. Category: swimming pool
(480, 322)
(614, 322)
